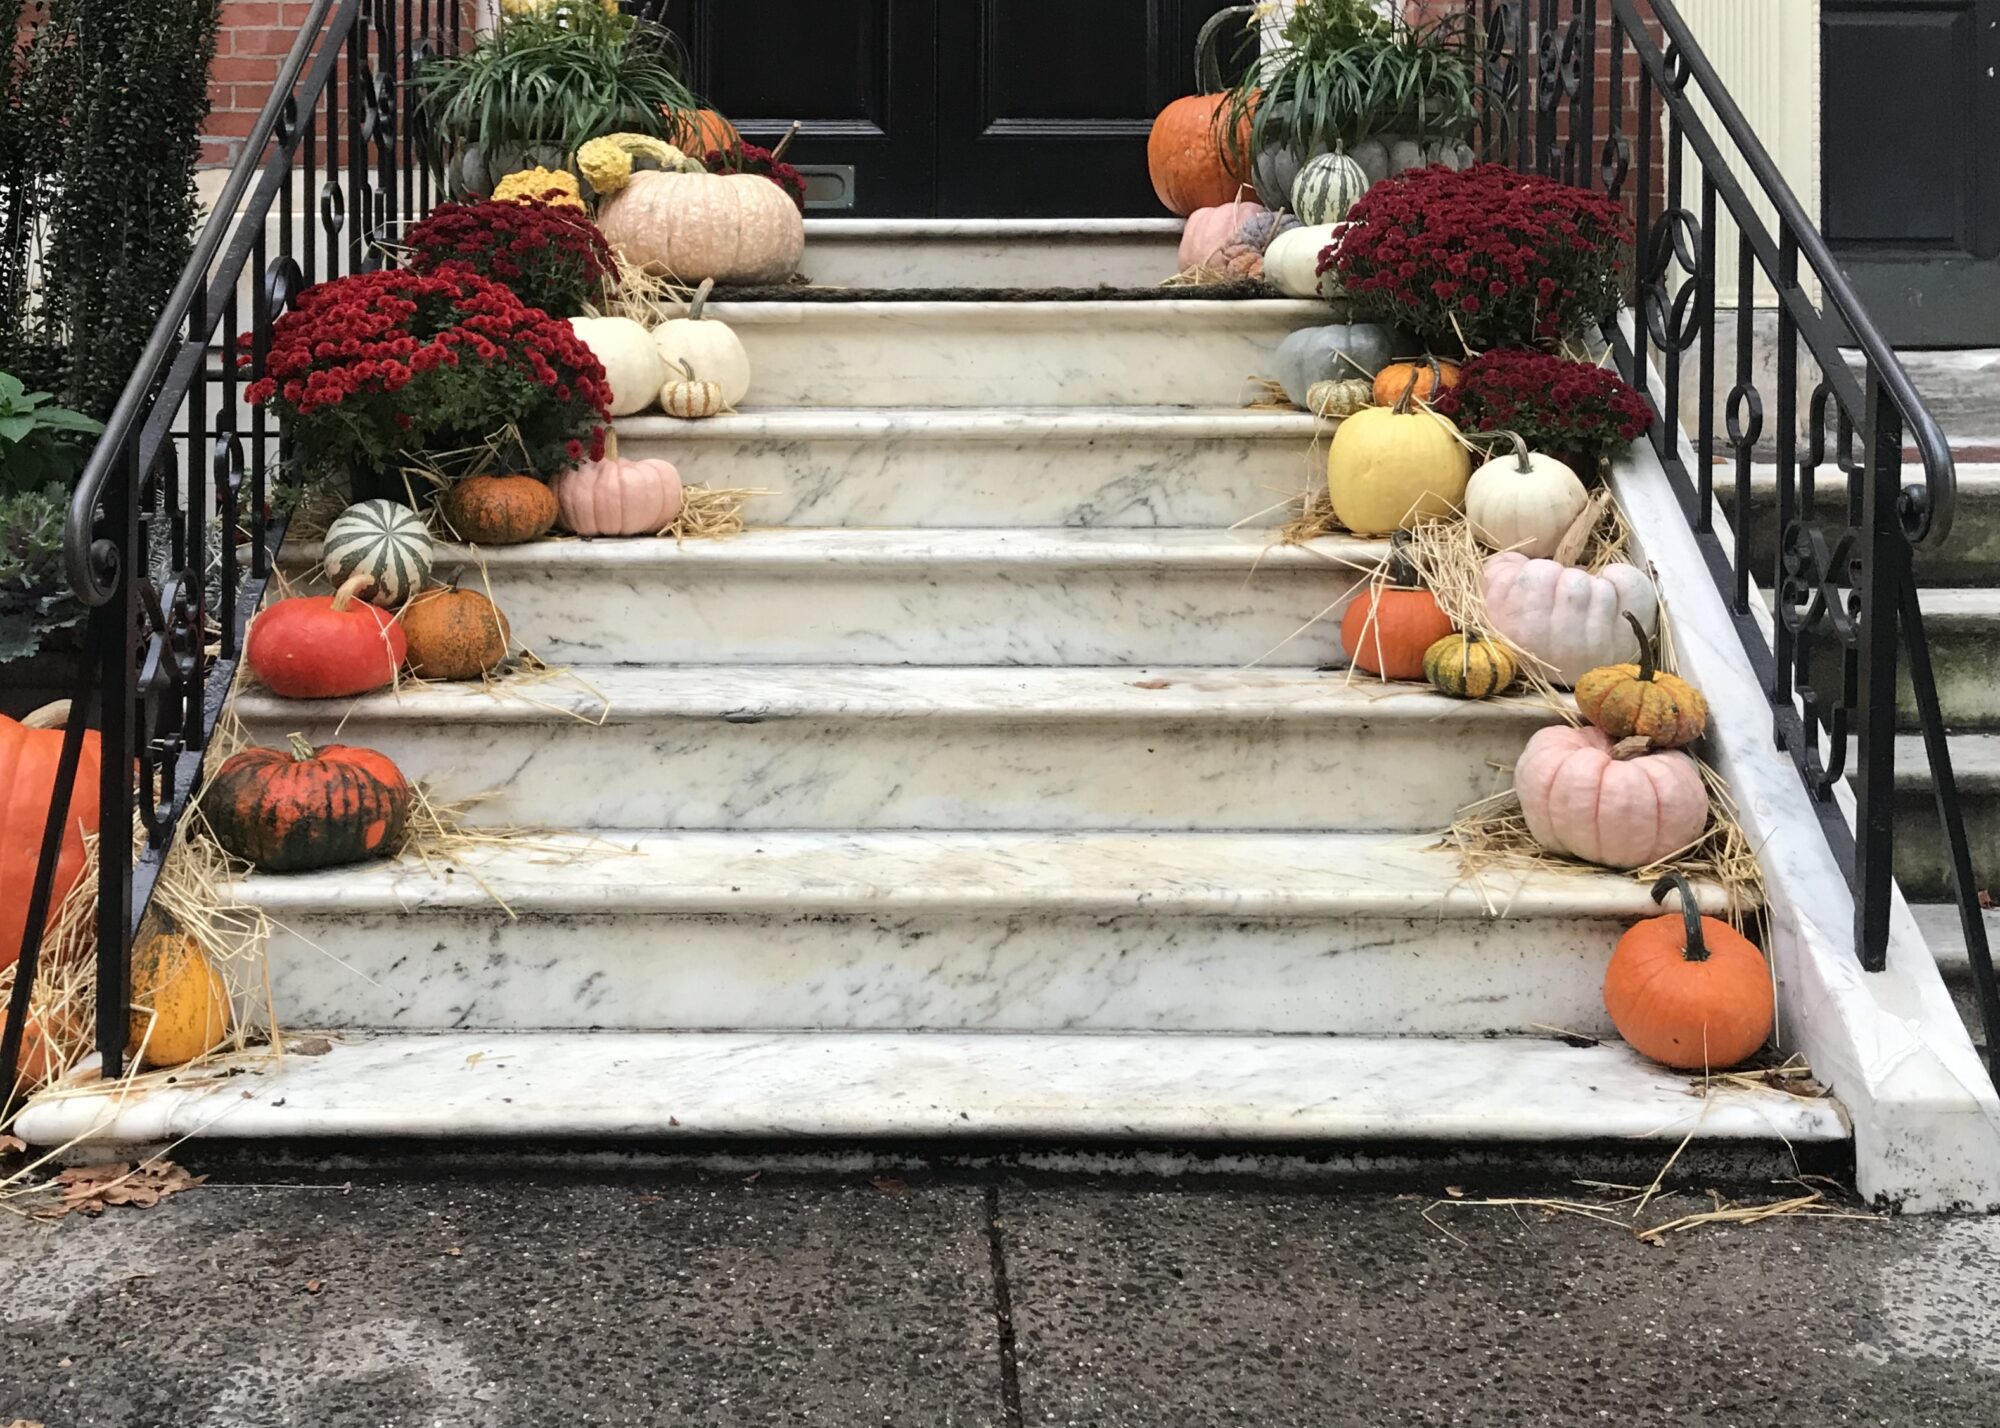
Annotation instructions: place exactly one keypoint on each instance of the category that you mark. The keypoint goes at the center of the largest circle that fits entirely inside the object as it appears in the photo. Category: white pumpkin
(1524, 502)
(632, 363)
(1294, 254)
(735, 228)
(1570, 620)
(707, 346)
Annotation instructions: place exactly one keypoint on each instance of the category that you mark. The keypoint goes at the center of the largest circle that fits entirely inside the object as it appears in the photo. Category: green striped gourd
(1326, 188)
(385, 541)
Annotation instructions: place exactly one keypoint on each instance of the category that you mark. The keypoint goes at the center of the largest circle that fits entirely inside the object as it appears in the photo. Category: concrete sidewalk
(974, 1300)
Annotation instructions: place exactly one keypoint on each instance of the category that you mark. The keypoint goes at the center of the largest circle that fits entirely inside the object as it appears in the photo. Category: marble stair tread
(696, 1085)
(1000, 424)
(1975, 764)
(1193, 874)
(1945, 935)
(1975, 609)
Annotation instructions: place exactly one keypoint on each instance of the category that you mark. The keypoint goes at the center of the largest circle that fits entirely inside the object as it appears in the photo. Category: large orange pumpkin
(499, 510)
(1387, 630)
(1195, 159)
(1689, 991)
(325, 646)
(289, 811)
(28, 763)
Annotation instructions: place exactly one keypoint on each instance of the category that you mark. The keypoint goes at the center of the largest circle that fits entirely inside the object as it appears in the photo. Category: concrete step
(946, 597)
(947, 930)
(1922, 864)
(1033, 466)
(702, 1086)
(1939, 922)
(1970, 555)
(1165, 352)
(913, 747)
(990, 252)
(1960, 386)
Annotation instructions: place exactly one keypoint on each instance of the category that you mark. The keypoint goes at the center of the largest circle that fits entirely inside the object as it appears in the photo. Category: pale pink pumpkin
(1209, 230)
(1581, 800)
(1571, 620)
(734, 228)
(616, 497)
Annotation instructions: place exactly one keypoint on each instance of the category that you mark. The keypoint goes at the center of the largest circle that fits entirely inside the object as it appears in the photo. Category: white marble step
(961, 1087)
(990, 252)
(1945, 935)
(963, 597)
(1029, 466)
(1163, 352)
(1101, 931)
(698, 746)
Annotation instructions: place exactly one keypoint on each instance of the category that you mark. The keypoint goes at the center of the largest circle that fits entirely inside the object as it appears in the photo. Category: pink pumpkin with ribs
(1611, 804)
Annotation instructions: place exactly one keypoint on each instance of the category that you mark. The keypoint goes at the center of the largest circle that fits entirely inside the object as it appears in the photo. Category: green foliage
(41, 444)
(556, 79)
(1347, 73)
(34, 598)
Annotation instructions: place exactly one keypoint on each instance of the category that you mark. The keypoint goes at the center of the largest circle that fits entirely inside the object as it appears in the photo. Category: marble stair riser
(990, 253)
(952, 771)
(1005, 354)
(1008, 969)
(1923, 864)
(1969, 556)
(990, 470)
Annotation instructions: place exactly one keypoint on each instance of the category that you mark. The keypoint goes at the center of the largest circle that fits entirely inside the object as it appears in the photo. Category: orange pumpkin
(180, 1002)
(499, 510)
(325, 646)
(1689, 991)
(1194, 158)
(454, 633)
(1388, 629)
(40, 1062)
(703, 130)
(1422, 378)
(28, 763)
(1640, 701)
(288, 811)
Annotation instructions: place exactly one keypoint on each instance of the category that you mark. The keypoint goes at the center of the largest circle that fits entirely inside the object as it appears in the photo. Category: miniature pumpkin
(1327, 187)
(325, 646)
(290, 811)
(1638, 701)
(384, 540)
(1523, 501)
(615, 497)
(1332, 353)
(1193, 160)
(629, 357)
(1387, 629)
(29, 758)
(1291, 261)
(706, 344)
(1209, 230)
(734, 228)
(454, 633)
(180, 1003)
(1570, 620)
(1689, 991)
(1468, 667)
(689, 397)
(1422, 379)
(1340, 399)
(498, 510)
(1388, 468)
(1587, 797)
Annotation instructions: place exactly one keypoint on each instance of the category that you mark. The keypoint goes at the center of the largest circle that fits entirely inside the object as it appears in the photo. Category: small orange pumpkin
(1638, 701)
(1689, 991)
(1423, 378)
(499, 510)
(454, 633)
(703, 130)
(1387, 630)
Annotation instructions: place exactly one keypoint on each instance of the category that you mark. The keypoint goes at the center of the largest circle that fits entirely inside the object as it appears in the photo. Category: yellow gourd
(180, 1004)
(1390, 468)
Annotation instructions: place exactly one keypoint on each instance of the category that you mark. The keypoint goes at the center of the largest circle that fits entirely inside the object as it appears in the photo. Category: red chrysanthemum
(553, 258)
(1553, 403)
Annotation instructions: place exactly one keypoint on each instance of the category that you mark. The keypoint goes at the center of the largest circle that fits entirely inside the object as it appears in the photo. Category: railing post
(113, 629)
(1885, 566)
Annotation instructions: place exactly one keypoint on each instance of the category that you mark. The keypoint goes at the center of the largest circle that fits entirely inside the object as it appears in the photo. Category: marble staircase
(1003, 781)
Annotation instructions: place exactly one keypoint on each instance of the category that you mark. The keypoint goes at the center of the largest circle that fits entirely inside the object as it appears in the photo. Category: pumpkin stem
(1404, 402)
(1696, 949)
(301, 747)
(1402, 574)
(1646, 662)
(686, 371)
(1631, 748)
(354, 585)
(700, 299)
(778, 149)
(610, 444)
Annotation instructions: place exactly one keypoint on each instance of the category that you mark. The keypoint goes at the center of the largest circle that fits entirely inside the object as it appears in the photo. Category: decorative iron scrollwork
(1676, 238)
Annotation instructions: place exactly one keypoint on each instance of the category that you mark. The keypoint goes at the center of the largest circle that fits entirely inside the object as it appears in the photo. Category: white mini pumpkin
(632, 362)
(1291, 260)
(705, 344)
(1523, 501)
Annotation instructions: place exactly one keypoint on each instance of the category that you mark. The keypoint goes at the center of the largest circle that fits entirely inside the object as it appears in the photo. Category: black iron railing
(1616, 94)
(172, 531)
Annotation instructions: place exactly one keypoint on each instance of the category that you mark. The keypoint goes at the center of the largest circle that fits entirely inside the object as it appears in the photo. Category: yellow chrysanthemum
(555, 187)
(514, 9)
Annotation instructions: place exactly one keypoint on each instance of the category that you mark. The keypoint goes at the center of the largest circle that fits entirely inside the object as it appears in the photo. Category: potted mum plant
(1573, 411)
(552, 256)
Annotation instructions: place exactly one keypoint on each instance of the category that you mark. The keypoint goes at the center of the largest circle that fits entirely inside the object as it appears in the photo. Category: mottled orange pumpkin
(289, 811)
(499, 510)
(1639, 701)
(1195, 158)
(454, 633)
(703, 130)
(1423, 379)
(1689, 991)
(180, 1003)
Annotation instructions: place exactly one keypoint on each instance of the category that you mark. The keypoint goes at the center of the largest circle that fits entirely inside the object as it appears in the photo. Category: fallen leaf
(888, 1185)
(673, 1120)
(651, 1199)
(12, 1145)
(91, 1189)
(310, 1046)
(1152, 684)
(26, 1423)
(1653, 1238)
(1457, 1192)
(454, 1251)
(753, 1177)
(313, 1286)
(1985, 900)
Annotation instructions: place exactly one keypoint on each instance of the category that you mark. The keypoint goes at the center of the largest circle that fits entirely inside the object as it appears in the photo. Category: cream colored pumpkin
(1570, 620)
(707, 346)
(689, 396)
(631, 360)
(734, 228)
(1586, 797)
(1290, 261)
(1524, 501)
(616, 497)
(1390, 468)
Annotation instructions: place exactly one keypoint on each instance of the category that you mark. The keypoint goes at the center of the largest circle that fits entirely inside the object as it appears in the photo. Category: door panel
(1911, 176)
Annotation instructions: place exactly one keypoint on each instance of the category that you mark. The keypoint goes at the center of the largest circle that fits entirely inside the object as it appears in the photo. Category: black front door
(1910, 143)
(954, 108)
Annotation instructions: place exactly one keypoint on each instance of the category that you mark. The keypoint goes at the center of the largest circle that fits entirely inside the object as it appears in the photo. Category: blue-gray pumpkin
(1327, 354)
